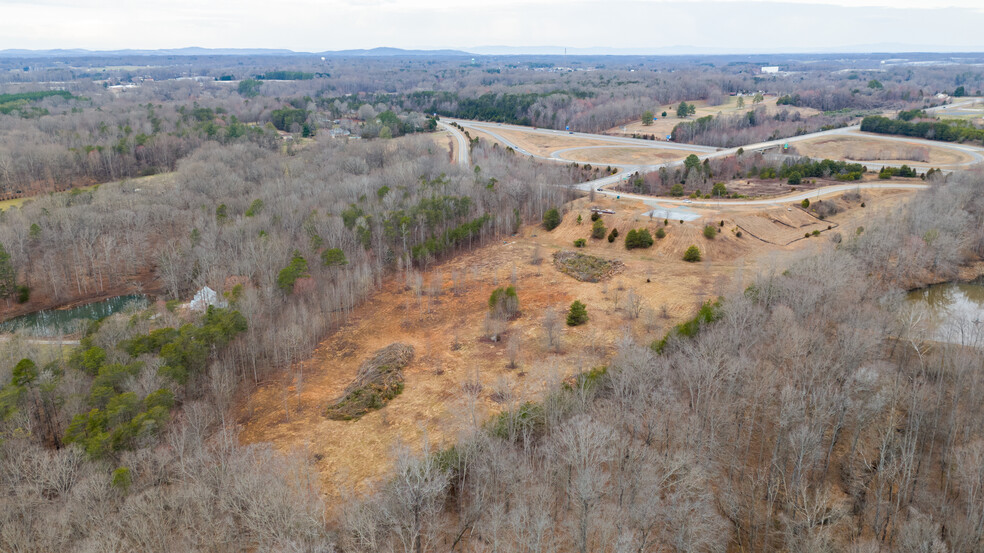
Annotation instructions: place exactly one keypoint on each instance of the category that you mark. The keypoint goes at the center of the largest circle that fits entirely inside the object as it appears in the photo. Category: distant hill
(197, 51)
(394, 52)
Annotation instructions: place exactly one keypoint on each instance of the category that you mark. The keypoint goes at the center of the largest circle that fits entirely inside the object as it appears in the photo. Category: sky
(639, 26)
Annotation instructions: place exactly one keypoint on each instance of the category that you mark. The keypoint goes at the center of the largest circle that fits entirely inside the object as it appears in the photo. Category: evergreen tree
(7, 274)
(577, 315)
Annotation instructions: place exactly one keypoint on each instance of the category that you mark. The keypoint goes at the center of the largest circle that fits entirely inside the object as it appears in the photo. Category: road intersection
(679, 208)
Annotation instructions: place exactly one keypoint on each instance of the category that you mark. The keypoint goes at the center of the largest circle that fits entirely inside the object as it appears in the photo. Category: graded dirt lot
(625, 155)
(459, 378)
(544, 144)
(863, 148)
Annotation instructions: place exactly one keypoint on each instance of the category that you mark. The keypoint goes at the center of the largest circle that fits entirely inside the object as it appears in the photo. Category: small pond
(57, 322)
(954, 312)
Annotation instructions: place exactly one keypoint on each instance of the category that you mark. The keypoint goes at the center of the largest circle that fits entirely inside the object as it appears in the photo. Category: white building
(204, 298)
(770, 69)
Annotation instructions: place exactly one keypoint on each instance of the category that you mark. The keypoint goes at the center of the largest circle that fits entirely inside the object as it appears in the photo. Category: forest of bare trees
(810, 416)
(809, 412)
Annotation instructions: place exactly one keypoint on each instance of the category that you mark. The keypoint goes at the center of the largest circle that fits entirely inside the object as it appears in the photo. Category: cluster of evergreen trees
(946, 131)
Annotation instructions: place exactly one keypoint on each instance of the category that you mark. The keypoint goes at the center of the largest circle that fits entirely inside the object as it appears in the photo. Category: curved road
(678, 208)
(464, 152)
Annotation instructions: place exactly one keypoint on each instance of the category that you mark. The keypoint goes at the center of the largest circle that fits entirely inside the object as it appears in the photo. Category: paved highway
(464, 152)
(678, 208)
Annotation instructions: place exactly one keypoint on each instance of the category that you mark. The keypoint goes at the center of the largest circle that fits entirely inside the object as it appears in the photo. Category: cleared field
(136, 182)
(543, 144)
(624, 155)
(459, 378)
(780, 226)
(664, 125)
(865, 148)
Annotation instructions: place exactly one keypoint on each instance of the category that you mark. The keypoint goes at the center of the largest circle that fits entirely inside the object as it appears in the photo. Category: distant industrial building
(770, 69)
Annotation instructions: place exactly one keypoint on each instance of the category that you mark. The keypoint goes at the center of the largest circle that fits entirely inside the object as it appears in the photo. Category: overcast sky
(318, 25)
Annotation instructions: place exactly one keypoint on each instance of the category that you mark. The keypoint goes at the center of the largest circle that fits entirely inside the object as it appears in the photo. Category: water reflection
(953, 312)
(57, 322)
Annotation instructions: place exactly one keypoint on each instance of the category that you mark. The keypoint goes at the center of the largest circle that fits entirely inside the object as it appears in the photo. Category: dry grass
(664, 125)
(868, 148)
(459, 378)
(626, 155)
(780, 226)
(380, 379)
(544, 144)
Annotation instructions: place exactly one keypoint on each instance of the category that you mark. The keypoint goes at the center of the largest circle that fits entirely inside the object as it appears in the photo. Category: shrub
(254, 208)
(805, 203)
(595, 216)
(795, 178)
(122, 479)
(708, 313)
(598, 229)
(710, 231)
(676, 190)
(23, 294)
(638, 239)
(660, 233)
(551, 219)
(333, 257)
(612, 235)
(580, 243)
(577, 314)
(692, 255)
(504, 303)
(297, 268)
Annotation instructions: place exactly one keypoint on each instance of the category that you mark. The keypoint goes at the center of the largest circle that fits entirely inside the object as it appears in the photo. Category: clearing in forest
(459, 377)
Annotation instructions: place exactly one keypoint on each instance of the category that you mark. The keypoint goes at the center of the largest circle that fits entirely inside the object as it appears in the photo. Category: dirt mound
(586, 268)
(380, 379)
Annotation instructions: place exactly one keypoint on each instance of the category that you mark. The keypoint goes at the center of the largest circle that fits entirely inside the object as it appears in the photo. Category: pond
(953, 312)
(57, 322)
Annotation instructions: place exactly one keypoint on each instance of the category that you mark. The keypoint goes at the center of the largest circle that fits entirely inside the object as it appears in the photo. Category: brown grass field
(626, 155)
(543, 144)
(664, 125)
(459, 378)
(869, 148)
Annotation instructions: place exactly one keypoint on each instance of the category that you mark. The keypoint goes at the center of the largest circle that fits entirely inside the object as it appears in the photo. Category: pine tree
(7, 275)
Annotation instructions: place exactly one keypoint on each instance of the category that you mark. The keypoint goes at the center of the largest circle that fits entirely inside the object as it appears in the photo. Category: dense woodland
(803, 412)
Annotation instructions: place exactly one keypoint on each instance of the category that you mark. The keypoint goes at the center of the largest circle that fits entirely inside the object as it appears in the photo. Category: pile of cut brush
(586, 268)
(380, 379)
